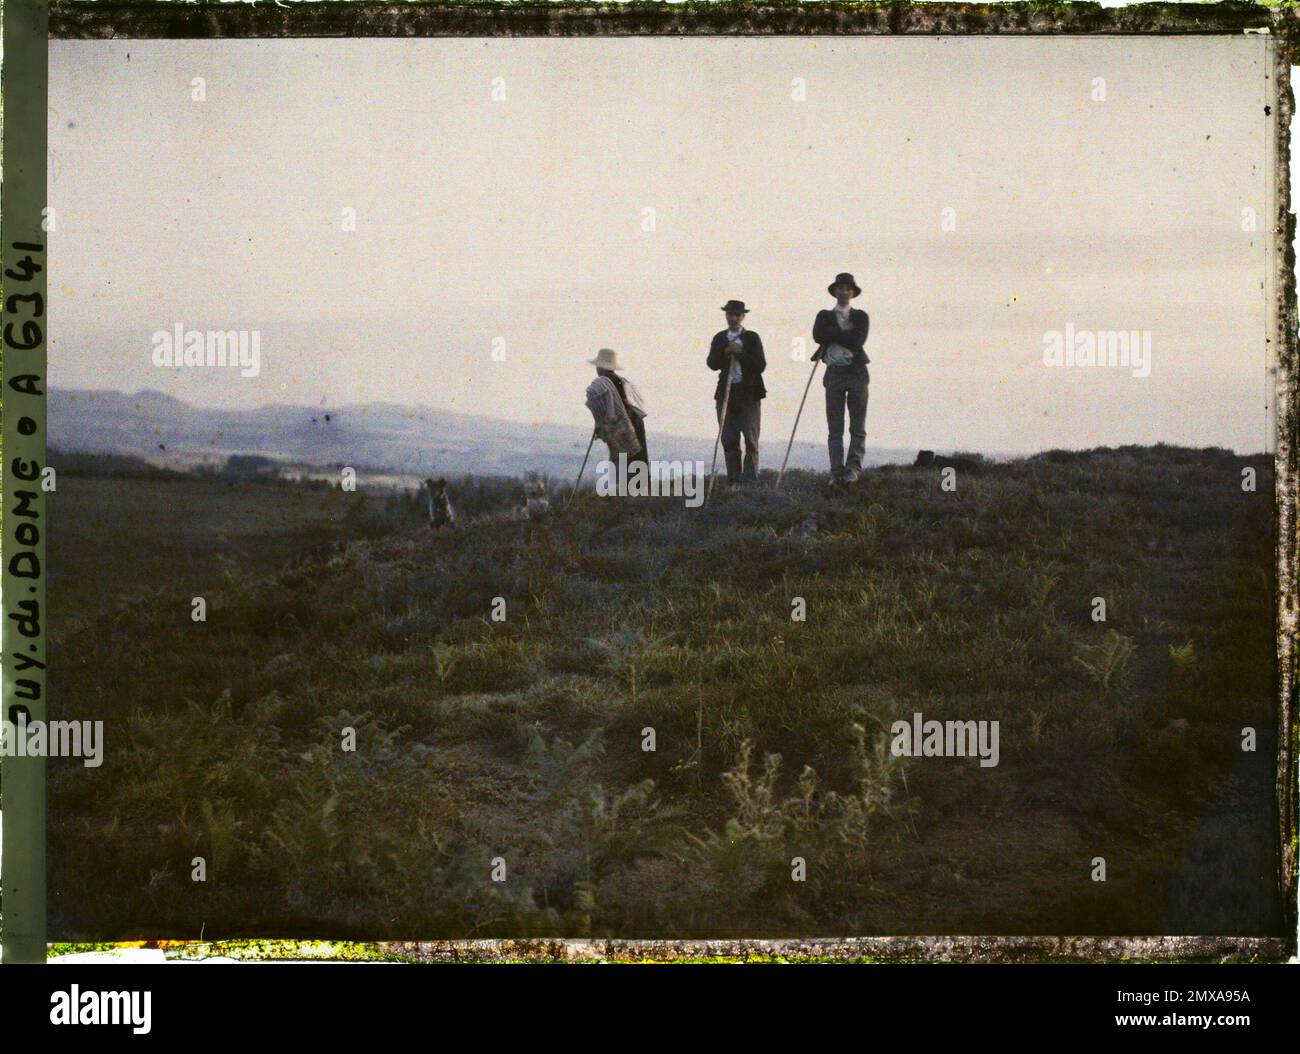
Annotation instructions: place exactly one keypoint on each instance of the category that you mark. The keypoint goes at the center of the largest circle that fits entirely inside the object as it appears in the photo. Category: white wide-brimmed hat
(606, 359)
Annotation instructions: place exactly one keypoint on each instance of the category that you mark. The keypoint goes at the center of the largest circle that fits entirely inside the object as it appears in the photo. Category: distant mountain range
(376, 437)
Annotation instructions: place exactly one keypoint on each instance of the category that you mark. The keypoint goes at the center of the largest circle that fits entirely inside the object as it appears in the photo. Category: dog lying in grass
(929, 459)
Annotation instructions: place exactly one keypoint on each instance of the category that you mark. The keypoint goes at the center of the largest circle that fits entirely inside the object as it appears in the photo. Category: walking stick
(581, 470)
(785, 460)
(722, 420)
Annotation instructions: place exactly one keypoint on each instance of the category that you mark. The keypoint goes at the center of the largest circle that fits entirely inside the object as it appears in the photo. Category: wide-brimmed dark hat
(736, 306)
(844, 278)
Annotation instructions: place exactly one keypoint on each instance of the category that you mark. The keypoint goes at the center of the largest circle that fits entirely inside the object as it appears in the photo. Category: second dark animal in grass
(441, 514)
(929, 459)
(537, 505)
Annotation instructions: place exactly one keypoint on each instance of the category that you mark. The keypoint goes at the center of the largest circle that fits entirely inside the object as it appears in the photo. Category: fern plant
(1109, 662)
(1184, 657)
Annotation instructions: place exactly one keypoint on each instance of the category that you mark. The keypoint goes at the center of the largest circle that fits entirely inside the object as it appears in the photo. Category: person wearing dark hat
(841, 333)
(738, 352)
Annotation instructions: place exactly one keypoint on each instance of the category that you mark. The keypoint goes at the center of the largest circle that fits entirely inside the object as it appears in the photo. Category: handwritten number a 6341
(24, 270)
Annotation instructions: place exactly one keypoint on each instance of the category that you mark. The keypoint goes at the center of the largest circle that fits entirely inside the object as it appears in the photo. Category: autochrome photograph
(659, 487)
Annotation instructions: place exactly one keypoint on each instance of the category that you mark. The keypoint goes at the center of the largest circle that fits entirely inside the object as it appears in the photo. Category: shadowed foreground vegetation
(521, 741)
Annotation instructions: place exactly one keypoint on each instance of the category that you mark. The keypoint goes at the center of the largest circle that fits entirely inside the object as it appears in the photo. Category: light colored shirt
(737, 375)
(836, 355)
(610, 414)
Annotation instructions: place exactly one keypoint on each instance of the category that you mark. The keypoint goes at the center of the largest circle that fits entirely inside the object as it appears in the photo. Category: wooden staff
(816, 362)
(722, 420)
(581, 470)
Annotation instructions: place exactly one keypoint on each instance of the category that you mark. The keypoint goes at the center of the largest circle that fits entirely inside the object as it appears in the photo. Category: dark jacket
(826, 330)
(752, 364)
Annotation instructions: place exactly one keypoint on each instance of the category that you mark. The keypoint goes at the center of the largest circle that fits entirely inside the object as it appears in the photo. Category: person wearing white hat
(607, 366)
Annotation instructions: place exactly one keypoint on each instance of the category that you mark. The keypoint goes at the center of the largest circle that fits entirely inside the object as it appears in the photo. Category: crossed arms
(826, 330)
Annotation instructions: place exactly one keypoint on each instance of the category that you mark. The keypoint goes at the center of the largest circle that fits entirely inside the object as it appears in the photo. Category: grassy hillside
(521, 740)
(114, 539)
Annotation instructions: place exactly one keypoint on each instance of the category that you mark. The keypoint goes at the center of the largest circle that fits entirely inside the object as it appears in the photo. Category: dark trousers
(744, 418)
(624, 461)
(641, 455)
(846, 392)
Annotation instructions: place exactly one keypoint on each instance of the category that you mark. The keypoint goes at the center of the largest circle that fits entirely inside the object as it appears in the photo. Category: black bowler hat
(736, 306)
(844, 278)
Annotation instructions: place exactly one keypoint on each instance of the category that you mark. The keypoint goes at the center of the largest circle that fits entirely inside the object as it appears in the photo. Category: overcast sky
(520, 220)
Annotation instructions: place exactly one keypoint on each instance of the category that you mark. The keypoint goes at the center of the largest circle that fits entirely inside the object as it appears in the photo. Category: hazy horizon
(520, 220)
